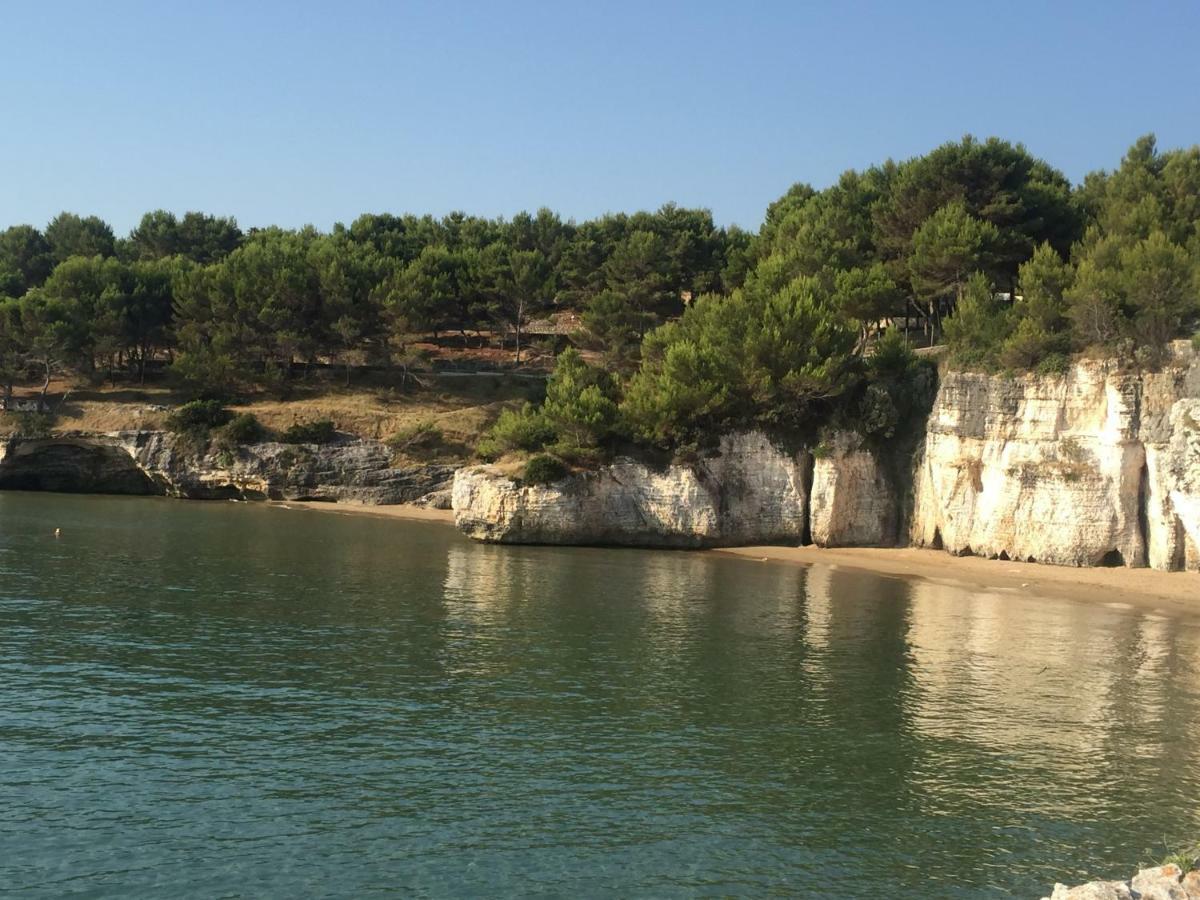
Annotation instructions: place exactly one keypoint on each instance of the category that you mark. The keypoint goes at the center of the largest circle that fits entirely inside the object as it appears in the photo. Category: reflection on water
(208, 699)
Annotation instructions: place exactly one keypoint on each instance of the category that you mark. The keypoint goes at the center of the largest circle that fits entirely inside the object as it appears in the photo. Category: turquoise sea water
(206, 700)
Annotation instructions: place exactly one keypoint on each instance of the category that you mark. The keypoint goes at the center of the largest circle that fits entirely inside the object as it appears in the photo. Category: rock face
(1095, 467)
(853, 502)
(1159, 883)
(155, 463)
(750, 492)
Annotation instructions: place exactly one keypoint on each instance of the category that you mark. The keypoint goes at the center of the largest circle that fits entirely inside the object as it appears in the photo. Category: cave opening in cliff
(1112, 560)
(936, 543)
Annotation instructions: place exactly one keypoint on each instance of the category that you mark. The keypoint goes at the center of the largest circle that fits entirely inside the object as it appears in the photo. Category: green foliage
(321, 431)
(979, 328)
(1144, 290)
(244, 428)
(755, 358)
(867, 294)
(897, 391)
(1184, 855)
(543, 469)
(71, 235)
(198, 414)
(779, 327)
(26, 259)
(28, 424)
(947, 248)
(420, 439)
(580, 403)
(524, 429)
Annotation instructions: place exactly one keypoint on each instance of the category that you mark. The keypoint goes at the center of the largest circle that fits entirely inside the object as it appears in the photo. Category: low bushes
(543, 469)
(321, 431)
(244, 428)
(198, 414)
(29, 424)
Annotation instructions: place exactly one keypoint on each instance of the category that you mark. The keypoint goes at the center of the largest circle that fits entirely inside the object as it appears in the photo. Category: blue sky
(292, 112)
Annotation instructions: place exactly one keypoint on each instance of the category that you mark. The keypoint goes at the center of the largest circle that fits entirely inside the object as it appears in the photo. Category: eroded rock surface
(156, 463)
(853, 502)
(1159, 883)
(1095, 467)
(750, 492)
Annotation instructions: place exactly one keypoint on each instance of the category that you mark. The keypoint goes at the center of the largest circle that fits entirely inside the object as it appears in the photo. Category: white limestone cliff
(853, 502)
(749, 492)
(1094, 467)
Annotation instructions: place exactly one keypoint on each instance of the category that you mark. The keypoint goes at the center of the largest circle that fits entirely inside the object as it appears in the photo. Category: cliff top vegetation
(661, 328)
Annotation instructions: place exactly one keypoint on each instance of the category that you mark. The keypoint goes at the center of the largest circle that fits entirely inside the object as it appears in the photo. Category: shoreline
(1144, 588)
(386, 511)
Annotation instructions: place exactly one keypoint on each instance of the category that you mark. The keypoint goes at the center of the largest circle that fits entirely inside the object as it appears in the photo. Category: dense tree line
(229, 308)
(978, 240)
(701, 328)
(1129, 285)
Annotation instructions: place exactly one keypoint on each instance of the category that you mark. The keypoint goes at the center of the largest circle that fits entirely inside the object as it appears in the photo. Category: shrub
(1196, 340)
(579, 404)
(1054, 364)
(516, 429)
(544, 469)
(244, 428)
(422, 435)
(320, 432)
(29, 424)
(198, 415)
(979, 328)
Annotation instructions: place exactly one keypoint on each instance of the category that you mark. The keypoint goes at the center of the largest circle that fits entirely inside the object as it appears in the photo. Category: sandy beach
(1172, 592)
(397, 511)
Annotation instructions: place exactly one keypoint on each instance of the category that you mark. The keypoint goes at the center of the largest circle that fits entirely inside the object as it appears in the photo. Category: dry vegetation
(438, 419)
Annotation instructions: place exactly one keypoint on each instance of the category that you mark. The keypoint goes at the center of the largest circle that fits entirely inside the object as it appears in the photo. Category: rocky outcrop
(157, 463)
(853, 501)
(749, 492)
(1094, 467)
(1167, 882)
(1098, 466)
(72, 464)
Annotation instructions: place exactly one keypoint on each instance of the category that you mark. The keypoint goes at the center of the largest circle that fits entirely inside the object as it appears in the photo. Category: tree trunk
(45, 386)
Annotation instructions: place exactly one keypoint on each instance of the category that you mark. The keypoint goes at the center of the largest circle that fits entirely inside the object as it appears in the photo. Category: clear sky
(293, 112)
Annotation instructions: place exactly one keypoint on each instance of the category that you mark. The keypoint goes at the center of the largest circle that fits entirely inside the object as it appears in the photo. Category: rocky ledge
(157, 463)
(1159, 883)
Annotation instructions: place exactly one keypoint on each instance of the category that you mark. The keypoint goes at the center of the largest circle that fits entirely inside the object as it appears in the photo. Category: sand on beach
(1175, 592)
(346, 508)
